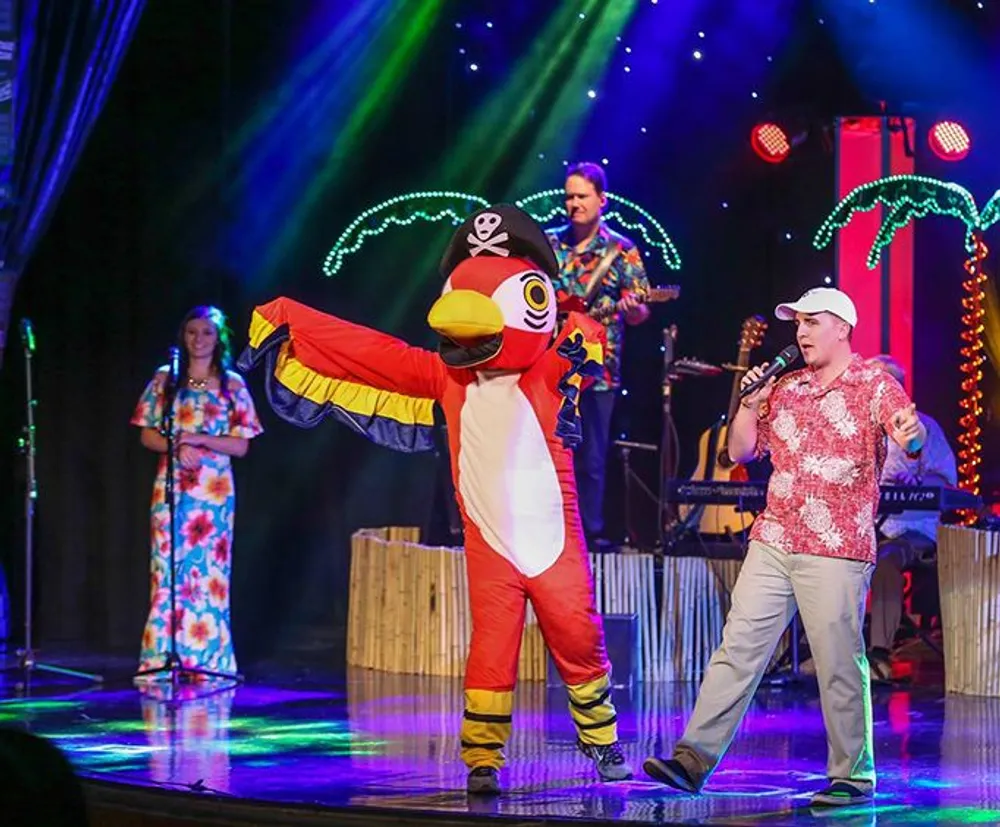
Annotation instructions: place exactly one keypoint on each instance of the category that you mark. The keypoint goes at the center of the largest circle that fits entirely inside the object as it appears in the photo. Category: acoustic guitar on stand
(654, 295)
(713, 458)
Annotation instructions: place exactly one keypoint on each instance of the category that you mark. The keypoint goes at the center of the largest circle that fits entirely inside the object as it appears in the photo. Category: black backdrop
(134, 245)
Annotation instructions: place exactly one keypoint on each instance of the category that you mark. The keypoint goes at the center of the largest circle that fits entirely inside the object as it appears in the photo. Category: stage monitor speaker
(621, 638)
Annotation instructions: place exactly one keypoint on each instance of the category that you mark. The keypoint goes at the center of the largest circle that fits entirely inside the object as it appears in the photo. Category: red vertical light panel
(869, 148)
(900, 257)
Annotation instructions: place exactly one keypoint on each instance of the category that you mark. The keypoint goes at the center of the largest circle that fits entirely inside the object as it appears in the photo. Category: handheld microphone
(780, 363)
(27, 335)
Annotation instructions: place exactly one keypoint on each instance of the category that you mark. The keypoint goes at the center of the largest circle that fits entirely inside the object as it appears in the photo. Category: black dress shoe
(671, 772)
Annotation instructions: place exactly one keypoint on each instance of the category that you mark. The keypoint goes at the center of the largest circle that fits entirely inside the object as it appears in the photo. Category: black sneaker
(841, 794)
(671, 772)
(609, 759)
(483, 781)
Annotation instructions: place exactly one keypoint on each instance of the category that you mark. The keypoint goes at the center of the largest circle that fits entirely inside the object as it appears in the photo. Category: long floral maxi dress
(206, 505)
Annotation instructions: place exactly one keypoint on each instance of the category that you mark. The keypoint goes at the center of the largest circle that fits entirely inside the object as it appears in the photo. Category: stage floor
(383, 742)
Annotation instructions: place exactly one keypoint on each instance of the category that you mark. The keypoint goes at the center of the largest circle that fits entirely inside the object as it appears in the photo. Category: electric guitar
(654, 295)
(713, 458)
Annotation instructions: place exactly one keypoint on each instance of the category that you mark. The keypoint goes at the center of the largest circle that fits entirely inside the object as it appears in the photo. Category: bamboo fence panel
(969, 584)
(409, 608)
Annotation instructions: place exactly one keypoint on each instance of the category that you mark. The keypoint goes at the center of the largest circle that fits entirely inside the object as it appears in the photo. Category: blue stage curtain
(67, 53)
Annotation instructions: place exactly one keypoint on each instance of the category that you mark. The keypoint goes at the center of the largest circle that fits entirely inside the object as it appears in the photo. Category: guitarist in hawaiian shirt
(602, 270)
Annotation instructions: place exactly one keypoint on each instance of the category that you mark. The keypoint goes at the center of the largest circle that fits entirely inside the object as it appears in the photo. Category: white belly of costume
(506, 477)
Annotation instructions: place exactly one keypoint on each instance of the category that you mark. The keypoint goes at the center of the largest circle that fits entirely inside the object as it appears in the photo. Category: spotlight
(770, 142)
(949, 140)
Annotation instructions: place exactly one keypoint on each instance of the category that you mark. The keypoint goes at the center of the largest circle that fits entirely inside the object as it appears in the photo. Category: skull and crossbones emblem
(483, 240)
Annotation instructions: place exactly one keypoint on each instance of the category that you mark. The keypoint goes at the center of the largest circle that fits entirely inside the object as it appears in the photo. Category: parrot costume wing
(319, 366)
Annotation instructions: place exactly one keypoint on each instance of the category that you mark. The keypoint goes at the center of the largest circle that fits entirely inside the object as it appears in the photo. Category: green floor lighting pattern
(392, 741)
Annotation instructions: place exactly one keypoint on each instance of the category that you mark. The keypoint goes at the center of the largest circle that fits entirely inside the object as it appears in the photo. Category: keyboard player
(908, 538)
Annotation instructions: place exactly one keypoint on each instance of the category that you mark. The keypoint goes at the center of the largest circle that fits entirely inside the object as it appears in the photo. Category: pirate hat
(500, 230)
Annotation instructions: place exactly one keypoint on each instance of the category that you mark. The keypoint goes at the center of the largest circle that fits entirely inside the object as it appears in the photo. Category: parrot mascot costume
(508, 384)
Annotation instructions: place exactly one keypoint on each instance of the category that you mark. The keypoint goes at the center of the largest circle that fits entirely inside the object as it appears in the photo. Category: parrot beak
(471, 326)
(465, 314)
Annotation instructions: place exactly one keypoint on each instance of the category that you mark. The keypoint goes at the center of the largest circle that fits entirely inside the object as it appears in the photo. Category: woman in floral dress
(214, 420)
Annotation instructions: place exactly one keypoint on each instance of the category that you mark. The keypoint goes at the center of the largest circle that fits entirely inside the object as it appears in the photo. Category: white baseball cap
(820, 300)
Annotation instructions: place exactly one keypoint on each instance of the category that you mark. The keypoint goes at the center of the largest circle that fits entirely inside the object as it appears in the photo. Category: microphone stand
(666, 513)
(172, 665)
(27, 444)
(669, 529)
(629, 476)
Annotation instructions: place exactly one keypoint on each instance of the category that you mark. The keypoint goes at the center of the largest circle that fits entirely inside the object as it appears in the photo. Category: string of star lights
(400, 211)
(547, 205)
(909, 197)
(440, 205)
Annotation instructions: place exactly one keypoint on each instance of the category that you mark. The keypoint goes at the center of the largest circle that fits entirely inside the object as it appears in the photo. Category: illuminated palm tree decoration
(548, 205)
(455, 207)
(401, 211)
(908, 197)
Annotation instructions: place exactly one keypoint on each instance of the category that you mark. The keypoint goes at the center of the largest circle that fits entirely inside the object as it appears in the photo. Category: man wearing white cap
(812, 547)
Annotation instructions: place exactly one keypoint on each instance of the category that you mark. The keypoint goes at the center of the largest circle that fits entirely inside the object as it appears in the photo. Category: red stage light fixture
(949, 140)
(770, 142)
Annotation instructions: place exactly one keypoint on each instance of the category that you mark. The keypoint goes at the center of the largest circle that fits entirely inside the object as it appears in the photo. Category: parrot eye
(535, 294)
(528, 301)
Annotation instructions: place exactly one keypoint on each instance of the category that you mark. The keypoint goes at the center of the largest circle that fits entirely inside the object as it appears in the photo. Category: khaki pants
(830, 593)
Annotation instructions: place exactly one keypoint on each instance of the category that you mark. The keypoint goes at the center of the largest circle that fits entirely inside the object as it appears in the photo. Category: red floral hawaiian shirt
(827, 447)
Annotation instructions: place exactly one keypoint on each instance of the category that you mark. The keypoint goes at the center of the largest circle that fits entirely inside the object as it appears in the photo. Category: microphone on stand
(175, 365)
(173, 372)
(27, 335)
(782, 361)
